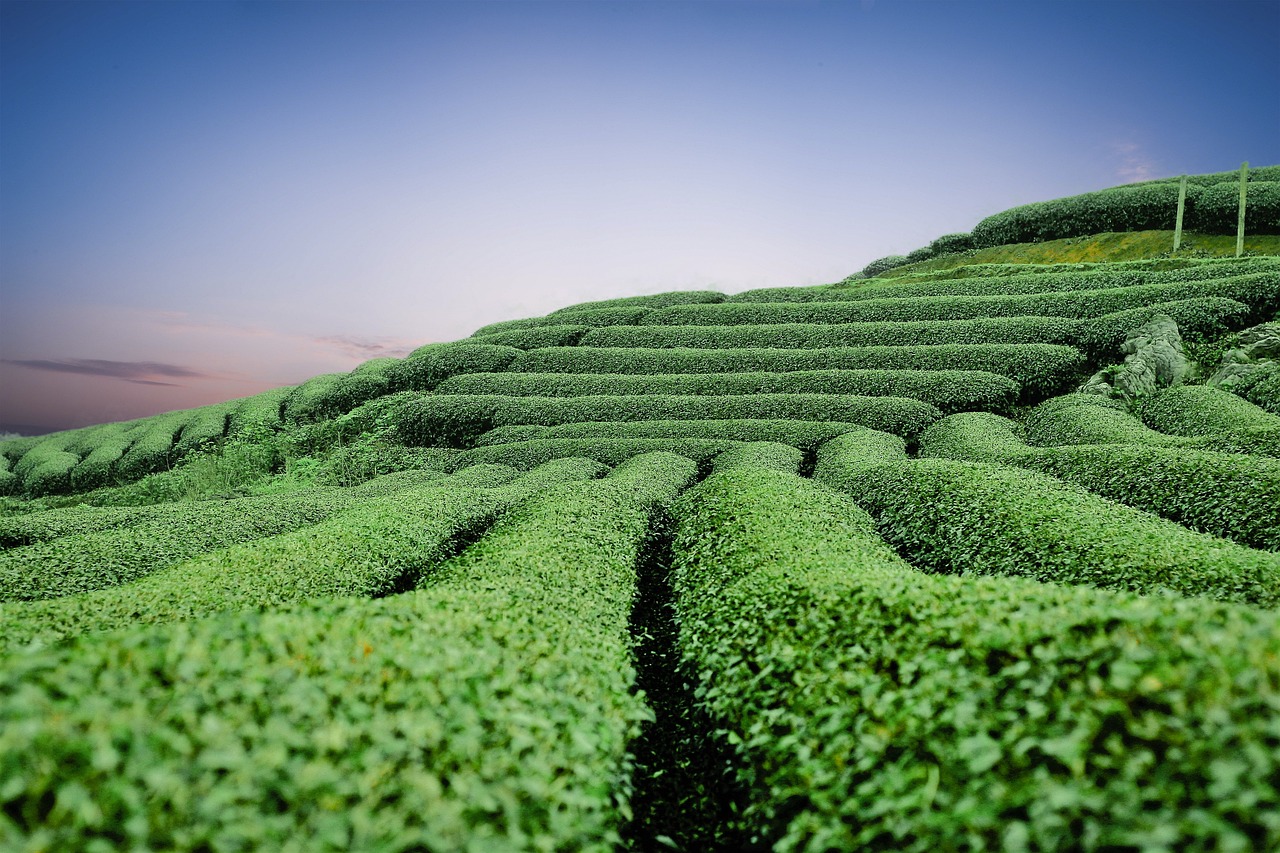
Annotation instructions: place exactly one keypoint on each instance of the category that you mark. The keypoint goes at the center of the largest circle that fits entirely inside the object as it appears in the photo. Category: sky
(203, 200)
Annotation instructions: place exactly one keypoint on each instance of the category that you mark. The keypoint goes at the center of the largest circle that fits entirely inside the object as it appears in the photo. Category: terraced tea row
(873, 706)
(492, 706)
(507, 678)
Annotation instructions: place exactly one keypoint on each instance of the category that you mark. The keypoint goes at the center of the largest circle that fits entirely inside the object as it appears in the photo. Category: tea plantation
(976, 555)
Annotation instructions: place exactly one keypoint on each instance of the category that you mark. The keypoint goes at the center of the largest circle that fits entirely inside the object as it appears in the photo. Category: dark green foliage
(950, 244)
(14, 449)
(1204, 410)
(535, 338)
(1256, 173)
(260, 410)
(380, 545)
(1211, 207)
(46, 470)
(995, 330)
(609, 451)
(1224, 494)
(204, 426)
(585, 317)
(1218, 208)
(1206, 317)
(334, 394)
(457, 420)
(171, 533)
(152, 450)
(355, 463)
(492, 710)
(990, 519)
(883, 265)
(8, 480)
(770, 455)
(1088, 419)
(1038, 368)
(426, 367)
(96, 468)
(41, 526)
(1262, 387)
(1257, 290)
(312, 400)
(873, 707)
(804, 435)
(1051, 280)
(655, 300)
(1144, 207)
(949, 390)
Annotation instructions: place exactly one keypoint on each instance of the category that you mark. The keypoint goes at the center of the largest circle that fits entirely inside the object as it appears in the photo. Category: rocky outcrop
(1154, 359)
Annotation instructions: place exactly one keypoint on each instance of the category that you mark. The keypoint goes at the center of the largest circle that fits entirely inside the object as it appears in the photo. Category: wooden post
(1182, 204)
(1244, 178)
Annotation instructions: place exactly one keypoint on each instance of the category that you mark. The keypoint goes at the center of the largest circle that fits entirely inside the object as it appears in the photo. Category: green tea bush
(874, 707)
(1077, 419)
(14, 449)
(1229, 495)
(382, 545)
(1196, 410)
(312, 400)
(51, 475)
(1262, 388)
(994, 330)
(492, 710)
(8, 479)
(205, 426)
(1089, 419)
(1217, 210)
(335, 394)
(356, 463)
(1144, 207)
(618, 316)
(804, 435)
(535, 338)
(769, 455)
(457, 420)
(1203, 318)
(96, 468)
(949, 390)
(260, 410)
(952, 244)
(152, 450)
(609, 451)
(43, 525)
(655, 300)
(1038, 368)
(1256, 173)
(426, 367)
(1257, 290)
(991, 519)
(40, 452)
(884, 264)
(1057, 278)
(172, 533)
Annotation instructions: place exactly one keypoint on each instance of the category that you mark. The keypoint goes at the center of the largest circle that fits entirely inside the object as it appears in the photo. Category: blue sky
(199, 201)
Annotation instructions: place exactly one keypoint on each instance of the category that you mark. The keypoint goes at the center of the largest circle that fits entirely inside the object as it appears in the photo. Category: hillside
(979, 551)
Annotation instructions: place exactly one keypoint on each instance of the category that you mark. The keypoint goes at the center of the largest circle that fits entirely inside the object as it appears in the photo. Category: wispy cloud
(352, 346)
(137, 372)
(367, 348)
(1134, 164)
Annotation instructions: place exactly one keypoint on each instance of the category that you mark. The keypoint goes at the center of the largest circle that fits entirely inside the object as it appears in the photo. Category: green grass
(1099, 248)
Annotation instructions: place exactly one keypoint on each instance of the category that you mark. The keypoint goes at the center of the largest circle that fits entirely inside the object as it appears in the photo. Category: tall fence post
(1244, 178)
(1182, 204)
